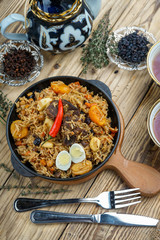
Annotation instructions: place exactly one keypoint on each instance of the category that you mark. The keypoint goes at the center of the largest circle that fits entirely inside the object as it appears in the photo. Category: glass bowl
(117, 35)
(22, 45)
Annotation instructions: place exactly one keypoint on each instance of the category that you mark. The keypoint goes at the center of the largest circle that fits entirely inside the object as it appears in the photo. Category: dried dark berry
(133, 48)
(37, 141)
(92, 131)
(82, 112)
(87, 120)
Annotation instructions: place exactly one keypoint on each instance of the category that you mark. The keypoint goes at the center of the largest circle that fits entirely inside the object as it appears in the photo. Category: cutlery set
(107, 200)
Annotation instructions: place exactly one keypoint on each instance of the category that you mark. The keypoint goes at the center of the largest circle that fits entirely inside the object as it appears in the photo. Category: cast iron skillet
(92, 85)
(134, 174)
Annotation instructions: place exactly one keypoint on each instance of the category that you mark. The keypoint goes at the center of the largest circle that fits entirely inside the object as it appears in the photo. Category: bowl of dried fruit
(128, 47)
(20, 62)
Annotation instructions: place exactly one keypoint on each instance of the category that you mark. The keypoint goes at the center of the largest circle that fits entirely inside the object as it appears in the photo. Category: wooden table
(134, 92)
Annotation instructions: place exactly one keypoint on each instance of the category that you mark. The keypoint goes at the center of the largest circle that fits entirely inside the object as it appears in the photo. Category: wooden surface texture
(134, 92)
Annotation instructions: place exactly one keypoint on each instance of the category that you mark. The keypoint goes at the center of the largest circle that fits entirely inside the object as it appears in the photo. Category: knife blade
(41, 216)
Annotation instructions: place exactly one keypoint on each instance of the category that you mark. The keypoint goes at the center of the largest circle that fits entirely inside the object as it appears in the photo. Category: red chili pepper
(57, 123)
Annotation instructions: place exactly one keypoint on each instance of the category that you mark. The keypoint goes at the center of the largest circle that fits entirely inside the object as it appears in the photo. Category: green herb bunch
(95, 52)
(5, 105)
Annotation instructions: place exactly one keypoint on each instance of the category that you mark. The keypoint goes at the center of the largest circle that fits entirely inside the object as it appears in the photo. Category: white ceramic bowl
(151, 115)
(154, 50)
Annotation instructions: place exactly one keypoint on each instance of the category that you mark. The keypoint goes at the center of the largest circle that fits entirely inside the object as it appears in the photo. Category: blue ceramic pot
(57, 26)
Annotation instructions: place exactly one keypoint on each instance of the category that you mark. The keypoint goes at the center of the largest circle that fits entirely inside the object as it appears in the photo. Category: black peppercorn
(18, 63)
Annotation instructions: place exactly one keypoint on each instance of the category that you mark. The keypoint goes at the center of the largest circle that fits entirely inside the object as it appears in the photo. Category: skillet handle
(136, 175)
(20, 169)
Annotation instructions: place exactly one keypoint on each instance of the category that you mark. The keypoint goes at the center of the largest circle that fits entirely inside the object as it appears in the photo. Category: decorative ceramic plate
(23, 45)
(122, 32)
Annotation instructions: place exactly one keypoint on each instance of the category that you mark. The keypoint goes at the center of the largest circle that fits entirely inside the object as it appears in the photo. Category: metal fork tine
(126, 205)
(126, 190)
(127, 195)
(126, 200)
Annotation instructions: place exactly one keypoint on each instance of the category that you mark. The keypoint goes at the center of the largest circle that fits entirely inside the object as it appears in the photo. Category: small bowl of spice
(128, 47)
(153, 62)
(20, 62)
(153, 123)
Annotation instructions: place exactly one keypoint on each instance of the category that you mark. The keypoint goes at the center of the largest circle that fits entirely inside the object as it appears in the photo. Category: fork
(107, 200)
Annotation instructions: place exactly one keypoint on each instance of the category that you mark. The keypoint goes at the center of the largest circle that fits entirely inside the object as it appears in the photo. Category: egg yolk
(76, 152)
(64, 159)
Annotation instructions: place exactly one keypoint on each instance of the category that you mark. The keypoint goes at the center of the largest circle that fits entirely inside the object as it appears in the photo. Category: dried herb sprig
(5, 104)
(29, 189)
(95, 52)
(7, 169)
(29, 192)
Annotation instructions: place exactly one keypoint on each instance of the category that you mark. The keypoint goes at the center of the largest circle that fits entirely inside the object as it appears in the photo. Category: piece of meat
(68, 105)
(71, 130)
(52, 109)
(69, 141)
(84, 143)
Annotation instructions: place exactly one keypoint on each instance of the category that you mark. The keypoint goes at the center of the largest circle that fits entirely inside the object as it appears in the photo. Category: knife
(41, 216)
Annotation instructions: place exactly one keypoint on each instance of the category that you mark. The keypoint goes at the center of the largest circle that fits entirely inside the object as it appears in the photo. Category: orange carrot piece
(77, 83)
(27, 153)
(18, 143)
(88, 96)
(27, 106)
(113, 134)
(89, 104)
(43, 162)
(52, 170)
(113, 130)
(43, 134)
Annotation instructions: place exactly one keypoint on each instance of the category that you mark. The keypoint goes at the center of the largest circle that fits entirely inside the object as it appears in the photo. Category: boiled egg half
(77, 153)
(63, 160)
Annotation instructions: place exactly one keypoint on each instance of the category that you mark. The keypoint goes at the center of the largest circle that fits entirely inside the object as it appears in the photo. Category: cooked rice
(34, 120)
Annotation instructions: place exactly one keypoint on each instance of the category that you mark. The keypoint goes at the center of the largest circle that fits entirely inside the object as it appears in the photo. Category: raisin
(37, 141)
(87, 120)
